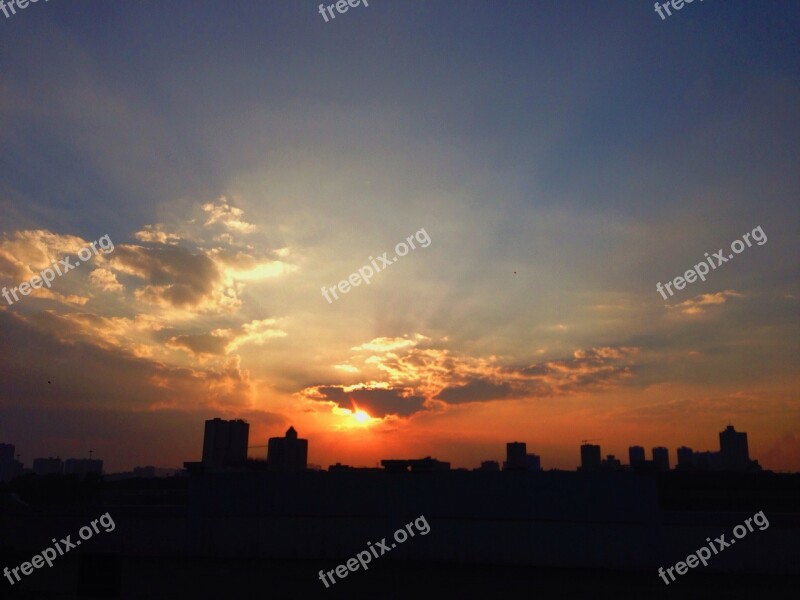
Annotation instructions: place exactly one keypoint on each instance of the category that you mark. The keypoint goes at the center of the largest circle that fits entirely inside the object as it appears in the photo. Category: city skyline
(222, 446)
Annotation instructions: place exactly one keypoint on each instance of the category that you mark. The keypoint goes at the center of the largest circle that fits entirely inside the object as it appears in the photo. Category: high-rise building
(6, 453)
(734, 453)
(83, 466)
(9, 466)
(685, 459)
(533, 462)
(635, 456)
(515, 456)
(48, 466)
(590, 457)
(661, 458)
(225, 443)
(287, 453)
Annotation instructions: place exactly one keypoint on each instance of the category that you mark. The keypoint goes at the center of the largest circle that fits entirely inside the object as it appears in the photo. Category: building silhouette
(733, 449)
(685, 459)
(590, 457)
(533, 462)
(9, 466)
(288, 453)
(489, 465)
(225, 443)
(83, 467)
(48, 466)
(420, 465)
(515, 456)
(635, 456)
(610, 463)
(661, 458)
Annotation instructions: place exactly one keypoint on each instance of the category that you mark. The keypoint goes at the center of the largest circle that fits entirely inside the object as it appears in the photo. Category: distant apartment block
(590, 457)
(515, 456)
(48, 466)
(9, 466)
(685, 459)
(421, 465)
(288, 453)
(533, 462)
(661, 458)
(489, 465)
(635, 456)
(225, 443)
(611, 463)
(83, 467)
(733, 449)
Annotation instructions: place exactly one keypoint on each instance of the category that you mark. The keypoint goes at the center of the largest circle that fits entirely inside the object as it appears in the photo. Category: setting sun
(361, 416)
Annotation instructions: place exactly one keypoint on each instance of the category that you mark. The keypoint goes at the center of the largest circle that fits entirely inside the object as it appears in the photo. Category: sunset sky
(563, 158)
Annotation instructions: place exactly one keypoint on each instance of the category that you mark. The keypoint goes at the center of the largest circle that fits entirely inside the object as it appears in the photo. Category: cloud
(105, 280)
(699, 304)
(42, 348)
(228, 216)
(224, 341)
(156, 234)
(404, 369)
(176, 277)
(377, 402)
(27, 252)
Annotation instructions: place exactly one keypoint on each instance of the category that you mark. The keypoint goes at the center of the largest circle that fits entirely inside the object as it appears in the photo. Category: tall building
(733, 449)
(83, 466)
(635, 456)
(6, 453)
(9, 466)
(48, 466)
(533, 462)
(287, 453)
(515, 456)
(225, 443)
(685, 459)
(661, 458)
(590, 457)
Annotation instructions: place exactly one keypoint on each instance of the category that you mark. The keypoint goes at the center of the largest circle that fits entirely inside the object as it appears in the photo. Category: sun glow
(361, 416)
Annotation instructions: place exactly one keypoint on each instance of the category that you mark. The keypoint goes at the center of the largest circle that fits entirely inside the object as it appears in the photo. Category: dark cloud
(176, 277)
(43, 348)
(477, 390)
(376, 402)
(204, 343)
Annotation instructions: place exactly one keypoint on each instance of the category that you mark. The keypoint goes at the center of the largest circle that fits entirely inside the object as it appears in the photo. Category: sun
(361, 416)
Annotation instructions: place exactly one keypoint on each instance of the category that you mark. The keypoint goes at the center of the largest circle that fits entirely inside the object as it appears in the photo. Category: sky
(551, 163)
